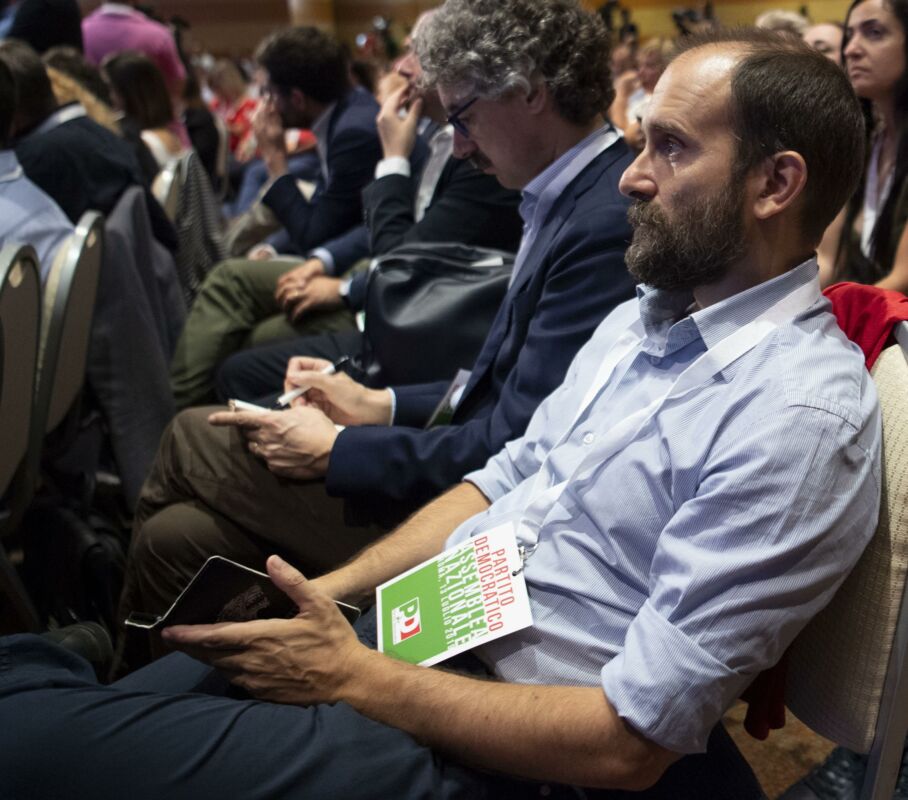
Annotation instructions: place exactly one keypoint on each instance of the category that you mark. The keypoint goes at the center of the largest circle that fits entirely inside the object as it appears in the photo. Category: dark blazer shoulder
(356, 110)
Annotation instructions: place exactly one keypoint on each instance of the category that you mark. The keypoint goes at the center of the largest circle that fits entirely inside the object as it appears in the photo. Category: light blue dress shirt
(28, 215)
(687, 562)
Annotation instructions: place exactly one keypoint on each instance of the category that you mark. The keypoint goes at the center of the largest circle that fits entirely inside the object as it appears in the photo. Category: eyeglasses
(455, 120)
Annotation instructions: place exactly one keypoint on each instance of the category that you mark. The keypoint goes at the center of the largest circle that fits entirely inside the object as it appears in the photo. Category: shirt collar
(550, 175)
(442, 133)
(117, 8)
(669, 325)
(61, 115)
(10, 170)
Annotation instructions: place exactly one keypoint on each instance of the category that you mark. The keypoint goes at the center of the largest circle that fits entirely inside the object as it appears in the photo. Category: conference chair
(167, 185)
(184, 190)
(69, 302)
(20, 315)
(848, 670)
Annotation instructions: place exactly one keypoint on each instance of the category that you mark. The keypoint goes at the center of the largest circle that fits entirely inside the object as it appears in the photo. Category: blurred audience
(68, 90)
(634, 89)
(78, 162)
(235, 106)
(867, 242)
(202, 129)
(114, 27)
(787, 23)
(826, 37)
(27, 215)
(72, 62)
(139, 92)
(43, 24)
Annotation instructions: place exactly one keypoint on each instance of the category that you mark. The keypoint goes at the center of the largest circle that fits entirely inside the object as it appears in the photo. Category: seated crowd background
(584, 189)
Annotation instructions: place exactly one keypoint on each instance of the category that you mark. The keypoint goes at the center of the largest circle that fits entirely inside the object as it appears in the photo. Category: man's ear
(781, 180)
(537, 98)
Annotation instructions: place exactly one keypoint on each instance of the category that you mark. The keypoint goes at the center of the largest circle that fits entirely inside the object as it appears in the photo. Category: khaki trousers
(208, 495)
(235, 309)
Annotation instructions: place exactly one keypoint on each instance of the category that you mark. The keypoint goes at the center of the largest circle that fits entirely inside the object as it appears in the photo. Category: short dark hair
(35, 100)
(787, 96)
(7, 104)
(307, 59)
(491, 47)
(141, 88)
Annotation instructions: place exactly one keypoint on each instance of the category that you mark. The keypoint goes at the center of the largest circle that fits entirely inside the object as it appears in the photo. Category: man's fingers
(415, 109)
(209, 636)
(289, 580)
(297, 309)
(241, 419)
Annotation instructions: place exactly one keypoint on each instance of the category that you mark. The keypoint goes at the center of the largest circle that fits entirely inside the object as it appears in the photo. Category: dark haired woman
(139, 91)
(868, 242)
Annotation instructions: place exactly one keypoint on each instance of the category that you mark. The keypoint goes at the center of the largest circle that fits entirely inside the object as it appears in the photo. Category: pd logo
(405, 621)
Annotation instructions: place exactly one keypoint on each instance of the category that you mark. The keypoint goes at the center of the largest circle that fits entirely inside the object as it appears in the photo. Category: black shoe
(86, 639)
(839, 777)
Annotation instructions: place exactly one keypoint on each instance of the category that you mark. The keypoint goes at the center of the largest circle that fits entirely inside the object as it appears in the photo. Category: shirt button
(589, 438)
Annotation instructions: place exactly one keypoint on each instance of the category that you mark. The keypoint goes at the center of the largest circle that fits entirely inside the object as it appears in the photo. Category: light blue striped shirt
(686, 563)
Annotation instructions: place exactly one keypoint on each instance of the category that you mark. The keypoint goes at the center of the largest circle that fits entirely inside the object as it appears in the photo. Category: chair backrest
(168, 185)
(847, 669)
(69, 302)
(20, 316)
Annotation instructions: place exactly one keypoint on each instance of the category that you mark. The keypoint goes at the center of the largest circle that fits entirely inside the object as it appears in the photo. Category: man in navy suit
(288, 481)
(308, 86)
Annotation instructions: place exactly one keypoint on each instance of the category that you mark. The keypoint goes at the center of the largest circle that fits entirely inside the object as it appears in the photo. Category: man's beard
(702, 241)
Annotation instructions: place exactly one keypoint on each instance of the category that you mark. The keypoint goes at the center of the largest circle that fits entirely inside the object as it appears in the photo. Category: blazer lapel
(559, 213)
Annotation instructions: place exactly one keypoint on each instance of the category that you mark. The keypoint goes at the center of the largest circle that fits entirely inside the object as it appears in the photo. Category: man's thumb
(288, 579)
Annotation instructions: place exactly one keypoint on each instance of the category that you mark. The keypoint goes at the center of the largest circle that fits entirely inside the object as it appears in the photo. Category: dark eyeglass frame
(455, 120)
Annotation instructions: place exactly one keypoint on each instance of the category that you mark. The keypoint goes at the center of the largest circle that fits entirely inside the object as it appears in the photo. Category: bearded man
(690, 496)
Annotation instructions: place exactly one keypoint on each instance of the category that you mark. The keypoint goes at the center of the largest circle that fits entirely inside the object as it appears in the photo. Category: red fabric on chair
(867, 315)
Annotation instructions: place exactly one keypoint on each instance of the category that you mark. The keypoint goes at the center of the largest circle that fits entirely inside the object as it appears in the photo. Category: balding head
(785, 96)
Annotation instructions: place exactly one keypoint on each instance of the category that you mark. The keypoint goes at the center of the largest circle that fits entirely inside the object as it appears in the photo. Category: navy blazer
(573, 276)
(352, 151)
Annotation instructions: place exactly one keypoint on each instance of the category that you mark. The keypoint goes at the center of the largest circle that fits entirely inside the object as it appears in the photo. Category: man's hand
(295, 443)
(305, 660)
(261, 252)
(398, 136)
(291, 283)
(340, 397)
(269, 133)
(320, 293)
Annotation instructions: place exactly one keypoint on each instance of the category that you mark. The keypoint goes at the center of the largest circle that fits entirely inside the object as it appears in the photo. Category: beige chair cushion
(838, 664)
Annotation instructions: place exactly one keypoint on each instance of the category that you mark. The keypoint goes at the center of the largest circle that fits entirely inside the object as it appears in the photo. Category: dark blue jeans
(173, 731)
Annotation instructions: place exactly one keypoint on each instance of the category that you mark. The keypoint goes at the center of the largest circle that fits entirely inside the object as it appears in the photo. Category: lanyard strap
(624, 431)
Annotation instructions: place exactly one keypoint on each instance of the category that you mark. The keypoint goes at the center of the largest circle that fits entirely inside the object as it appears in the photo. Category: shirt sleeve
(393, 165)
(785, 506)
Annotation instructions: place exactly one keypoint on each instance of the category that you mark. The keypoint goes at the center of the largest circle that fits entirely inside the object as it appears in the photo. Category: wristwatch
(344, 291)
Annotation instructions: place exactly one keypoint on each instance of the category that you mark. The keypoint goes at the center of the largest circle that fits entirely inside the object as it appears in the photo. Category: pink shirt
(113, 28)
